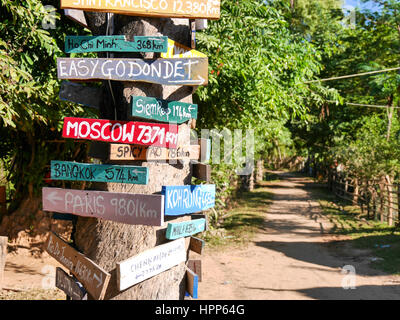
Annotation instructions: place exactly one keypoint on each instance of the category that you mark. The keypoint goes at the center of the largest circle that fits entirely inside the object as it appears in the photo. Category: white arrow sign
(99, 280)
(199, 82)
(52, 197)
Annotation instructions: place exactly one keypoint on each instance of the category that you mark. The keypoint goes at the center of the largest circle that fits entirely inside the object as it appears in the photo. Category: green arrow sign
(162, 110)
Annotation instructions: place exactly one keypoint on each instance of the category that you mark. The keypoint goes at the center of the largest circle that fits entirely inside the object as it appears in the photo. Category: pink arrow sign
(134, 209)
(143, 133)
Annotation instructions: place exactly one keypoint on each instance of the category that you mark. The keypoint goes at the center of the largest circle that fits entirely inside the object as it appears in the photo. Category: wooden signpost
(134, 209)
(202, 171)
(177, 50)
(72, 171)
(195, 266)
(94, 278)
(125, 152)
(76, 15)
(186, 71)
(83, 44)
(162, 110)
(84, 95)
(196, 245)
(185, 229)
(69, 285)
(150, 263)
(192, 284)
(207, 9)
(181, 200)
(143, 133)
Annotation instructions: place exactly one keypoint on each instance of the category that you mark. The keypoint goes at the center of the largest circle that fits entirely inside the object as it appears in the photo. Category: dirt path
(293, 256)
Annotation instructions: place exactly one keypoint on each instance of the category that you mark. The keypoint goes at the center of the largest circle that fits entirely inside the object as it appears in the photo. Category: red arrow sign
(143, 133)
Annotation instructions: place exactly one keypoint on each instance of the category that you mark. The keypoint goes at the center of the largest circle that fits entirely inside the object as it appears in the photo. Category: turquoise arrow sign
(73, 171)
(83, 44)
(185, 229)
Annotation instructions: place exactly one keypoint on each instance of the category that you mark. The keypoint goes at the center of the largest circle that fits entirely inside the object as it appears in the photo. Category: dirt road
(293, 256)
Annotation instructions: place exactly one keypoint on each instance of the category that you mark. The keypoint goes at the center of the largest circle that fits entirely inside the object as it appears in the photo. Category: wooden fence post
(260, 171)
(382, 201)
(3, 254)
(390, 201)
(375, 195)
(398, 201)
(355, 192)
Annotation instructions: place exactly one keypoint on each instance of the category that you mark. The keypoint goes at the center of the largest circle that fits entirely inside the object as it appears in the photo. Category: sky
(358, 3)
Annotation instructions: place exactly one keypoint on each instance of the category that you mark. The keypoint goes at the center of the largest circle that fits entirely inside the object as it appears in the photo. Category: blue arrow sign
(180, 200)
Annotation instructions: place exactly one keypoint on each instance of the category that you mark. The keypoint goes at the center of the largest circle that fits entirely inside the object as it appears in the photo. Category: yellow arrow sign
(177, 50)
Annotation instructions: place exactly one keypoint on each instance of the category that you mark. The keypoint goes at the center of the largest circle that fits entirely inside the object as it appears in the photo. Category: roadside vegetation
(349, 221)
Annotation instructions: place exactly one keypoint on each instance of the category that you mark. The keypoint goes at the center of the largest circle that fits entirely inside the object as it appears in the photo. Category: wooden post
(398, 201)
(260, 171)
(108, 243)
(390, 201)
(3, 254)
(355, 192)
(382, 201)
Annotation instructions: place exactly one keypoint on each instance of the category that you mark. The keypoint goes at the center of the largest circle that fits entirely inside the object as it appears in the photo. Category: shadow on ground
(367, 292)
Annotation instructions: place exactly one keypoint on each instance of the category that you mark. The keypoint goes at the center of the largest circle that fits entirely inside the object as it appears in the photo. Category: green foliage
(364, 139)
(258, 68)
(30, 111)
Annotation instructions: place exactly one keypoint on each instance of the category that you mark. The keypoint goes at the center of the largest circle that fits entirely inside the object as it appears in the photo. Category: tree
(258, 70)
(30, 111)
(106, 242)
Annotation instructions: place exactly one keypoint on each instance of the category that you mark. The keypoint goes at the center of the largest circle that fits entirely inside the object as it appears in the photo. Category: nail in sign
(162, 110)
(83, 44)
(73, 171)
(207, 9)
(150, 134)
(94, 278)
(181, 200)
(133, 209)
(186, 71)
(150, 263)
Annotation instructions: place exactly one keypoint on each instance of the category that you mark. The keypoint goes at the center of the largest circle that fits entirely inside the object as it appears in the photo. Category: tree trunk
(105, 242)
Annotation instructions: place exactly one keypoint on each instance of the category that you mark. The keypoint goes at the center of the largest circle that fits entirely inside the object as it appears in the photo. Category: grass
(242, 221)
(348, 220)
